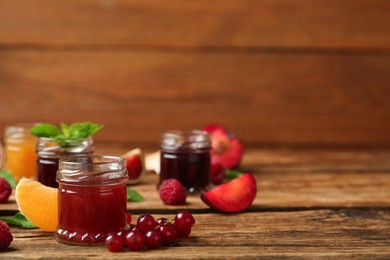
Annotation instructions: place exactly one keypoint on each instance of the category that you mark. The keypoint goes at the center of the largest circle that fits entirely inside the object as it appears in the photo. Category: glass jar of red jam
(91, 198)
(49, 153)
(185, 156)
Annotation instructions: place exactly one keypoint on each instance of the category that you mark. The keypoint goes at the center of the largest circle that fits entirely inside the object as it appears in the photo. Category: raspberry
(5, 190)
(5, 236)
(172, 192)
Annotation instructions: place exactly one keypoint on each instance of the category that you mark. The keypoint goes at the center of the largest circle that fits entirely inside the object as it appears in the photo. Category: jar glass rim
(93, 159)
(19, 130)
(94, 169)
(194, 140)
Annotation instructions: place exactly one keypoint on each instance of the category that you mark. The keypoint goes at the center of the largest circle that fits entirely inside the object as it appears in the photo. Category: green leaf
(66, 134)
(18, 220)
(8, 176)
(94, 128)
(232, 174)
(64, 129)
(134, 196)
(45, 130)
(83, 130)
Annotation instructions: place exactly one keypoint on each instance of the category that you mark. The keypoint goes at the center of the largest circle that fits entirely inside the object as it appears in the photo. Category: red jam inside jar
(185, 156)
(92, 198)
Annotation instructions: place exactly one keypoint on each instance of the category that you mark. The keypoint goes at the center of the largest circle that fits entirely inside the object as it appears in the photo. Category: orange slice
(38, 203)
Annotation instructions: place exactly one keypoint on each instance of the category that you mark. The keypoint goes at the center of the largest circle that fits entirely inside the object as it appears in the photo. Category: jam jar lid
(96, 170)
(182, 140)
(47, 147)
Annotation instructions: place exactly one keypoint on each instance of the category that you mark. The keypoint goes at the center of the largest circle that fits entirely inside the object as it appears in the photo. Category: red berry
(172, 192)
(114, 243)
(5, 190)
(135, 240)
(184, 233)
(161, 221)
(217, 173)
(153, 239)
(168, 233)
(145, 223)
(128, 218)
(184, 221)
(121, 233)
(5, 235)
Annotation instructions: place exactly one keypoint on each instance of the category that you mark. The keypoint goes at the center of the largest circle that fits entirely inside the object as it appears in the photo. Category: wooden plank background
(295, 72)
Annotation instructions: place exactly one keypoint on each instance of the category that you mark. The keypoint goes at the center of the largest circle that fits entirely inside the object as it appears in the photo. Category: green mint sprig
(18, 220)
(66, 133)
(134, 196)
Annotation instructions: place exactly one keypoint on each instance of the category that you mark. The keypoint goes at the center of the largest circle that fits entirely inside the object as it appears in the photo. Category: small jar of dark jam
(91, 198)
(50, 152)
(185, 156)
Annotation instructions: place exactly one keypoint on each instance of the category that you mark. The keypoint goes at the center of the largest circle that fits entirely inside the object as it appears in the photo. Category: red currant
(184, 221)
(168, 233)
(121, 233)
(114, 243)
(146, 223)
(184, 233)
(161, 221)
(135, 240)
(153, 239)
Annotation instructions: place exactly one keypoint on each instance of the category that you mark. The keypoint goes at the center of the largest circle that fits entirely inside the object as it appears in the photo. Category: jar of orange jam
(92, 198)
(20, 153)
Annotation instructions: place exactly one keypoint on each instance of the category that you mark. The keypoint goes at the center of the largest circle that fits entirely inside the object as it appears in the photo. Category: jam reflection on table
(88, 213)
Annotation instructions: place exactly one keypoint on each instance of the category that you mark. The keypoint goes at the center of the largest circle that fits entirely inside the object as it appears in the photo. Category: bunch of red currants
(151, 233)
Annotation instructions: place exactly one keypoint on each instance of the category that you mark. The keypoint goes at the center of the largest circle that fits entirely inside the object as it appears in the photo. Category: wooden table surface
(310, 203)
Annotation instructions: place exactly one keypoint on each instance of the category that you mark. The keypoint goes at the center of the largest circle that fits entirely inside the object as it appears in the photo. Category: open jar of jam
(92, 198)
(185, 156)
(20, 151)
(50, 152)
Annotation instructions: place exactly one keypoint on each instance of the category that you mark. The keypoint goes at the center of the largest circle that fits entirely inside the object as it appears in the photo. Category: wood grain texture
(306, 234)
(298, 212)
(264, 98)
(291, 180)
(334, 24)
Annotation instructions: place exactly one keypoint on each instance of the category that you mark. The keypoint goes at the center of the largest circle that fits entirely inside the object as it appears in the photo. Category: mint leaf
(93, 128)
(18, 220)
(45, 130)
(64, 129)
(65, 134)
(8, 176)
(134, 196)
(82, 130)
(232, 174)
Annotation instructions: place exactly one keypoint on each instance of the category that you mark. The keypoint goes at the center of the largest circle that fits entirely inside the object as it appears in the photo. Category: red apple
(226, 149)
(135, 165)
(234, 196)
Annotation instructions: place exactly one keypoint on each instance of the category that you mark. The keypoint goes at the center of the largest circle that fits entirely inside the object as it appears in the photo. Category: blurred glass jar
(50, 152)
(20, 156)
(185, 156)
